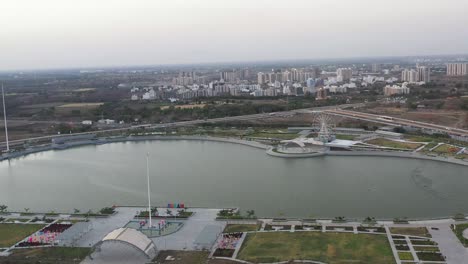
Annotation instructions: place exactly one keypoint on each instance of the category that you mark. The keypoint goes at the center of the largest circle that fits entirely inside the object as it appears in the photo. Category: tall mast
(149, 195)
(5, 120)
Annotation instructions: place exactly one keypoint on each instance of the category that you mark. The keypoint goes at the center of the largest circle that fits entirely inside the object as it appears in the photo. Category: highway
(184, 123)
(394, 121)
(332, 110)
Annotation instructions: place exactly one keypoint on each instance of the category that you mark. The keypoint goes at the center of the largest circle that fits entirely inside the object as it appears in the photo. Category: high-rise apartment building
(344, 74)
(410, 76)
(424, 74)
(457, 69)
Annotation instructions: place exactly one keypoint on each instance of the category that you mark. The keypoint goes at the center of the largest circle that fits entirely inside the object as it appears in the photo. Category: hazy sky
(83, 33)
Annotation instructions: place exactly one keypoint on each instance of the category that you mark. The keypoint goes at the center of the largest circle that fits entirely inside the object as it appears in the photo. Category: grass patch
(410, 231)
(80, 105)
(232, 228)
(275, 135)
(325, 247)
(458, 230)
(427, 249)
(405, 255)
(182, 257)
(17, 219)
(49, 255)
(393, 144)
(423, 242)
(13, 233)
(446, 149)
(345, 137)
(430, 256)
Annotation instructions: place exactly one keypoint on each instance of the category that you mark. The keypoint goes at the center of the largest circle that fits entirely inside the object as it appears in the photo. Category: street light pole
(149, 195)
(5, 120)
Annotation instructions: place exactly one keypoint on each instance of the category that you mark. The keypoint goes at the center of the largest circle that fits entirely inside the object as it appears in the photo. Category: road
(394, 121)
(185, 123)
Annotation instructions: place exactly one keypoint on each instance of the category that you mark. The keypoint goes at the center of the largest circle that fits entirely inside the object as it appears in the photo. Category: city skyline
(61, 34)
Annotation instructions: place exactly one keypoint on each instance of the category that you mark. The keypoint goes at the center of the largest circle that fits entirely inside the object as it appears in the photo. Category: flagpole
(149, 195)
(5, 120)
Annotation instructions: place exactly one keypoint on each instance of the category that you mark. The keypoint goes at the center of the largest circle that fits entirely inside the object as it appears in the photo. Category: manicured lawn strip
(393, 144)
(182, 257)
(275, 135)
(325, 247)
(47, 255)
(430, 256)
(458, 230)
(345, 137)
(423, 242)
(446, 149)
(411, 231)
(12, 233)
(231, 228)
(428, 249)
(405, 255)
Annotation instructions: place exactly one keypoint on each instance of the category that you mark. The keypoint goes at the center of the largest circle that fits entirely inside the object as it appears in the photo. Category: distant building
(410, 76)
(86, 122)
(395, 89)
(424, 74)
(344, 74)
(457, 69)
(376, 67)
(261, 78)
(321, 94)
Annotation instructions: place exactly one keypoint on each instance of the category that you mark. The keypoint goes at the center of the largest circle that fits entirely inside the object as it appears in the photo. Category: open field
(81, 105)
(446, 149)
(411, 231)
(275, 135)
(50, 255)
(458, 230)
(187, 106)
(12, 233)
(82, 90)
(182, 257)
(324, 247)
(231, 228)
(393, 144)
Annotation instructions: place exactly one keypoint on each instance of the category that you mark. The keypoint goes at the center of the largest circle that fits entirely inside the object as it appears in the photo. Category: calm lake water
(212, 174)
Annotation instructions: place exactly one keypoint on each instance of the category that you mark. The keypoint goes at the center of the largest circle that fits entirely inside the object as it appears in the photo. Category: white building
(457, 69)
(344, 74)
(410, 76)
(395, 89)
(86, 122)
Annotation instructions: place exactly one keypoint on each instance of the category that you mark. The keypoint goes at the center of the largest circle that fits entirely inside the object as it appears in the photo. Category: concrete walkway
(392, 245)
(184, 238)
(449, 244)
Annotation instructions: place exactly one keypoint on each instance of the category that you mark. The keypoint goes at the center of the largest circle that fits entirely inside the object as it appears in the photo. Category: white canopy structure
(131, 237)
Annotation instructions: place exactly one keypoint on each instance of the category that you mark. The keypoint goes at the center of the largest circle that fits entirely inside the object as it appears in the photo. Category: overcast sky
(87, 33)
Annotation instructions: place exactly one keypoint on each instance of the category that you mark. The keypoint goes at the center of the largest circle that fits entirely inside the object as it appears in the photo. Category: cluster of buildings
(188, 78)
(234, 76)
(457, 69)
(421, 74)
(292, 75)
(390, 90)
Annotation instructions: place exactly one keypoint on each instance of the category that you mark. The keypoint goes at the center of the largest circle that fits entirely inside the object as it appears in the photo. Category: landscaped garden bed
(458, 230)
(231, 228)
(339, 228)
(282, 227)
(405, 256)
(423, 242)
(376, 229)
(429, 256)
(410, 231)
(220, 252)
(317, 246)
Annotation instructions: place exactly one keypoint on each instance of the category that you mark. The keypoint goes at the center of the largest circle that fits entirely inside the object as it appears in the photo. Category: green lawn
(405, 255)
(231, 228)
(345, 137)
(393, 144)
(410, 231)
(325, 247)
(459, 233)
(63, 255)
(182, 257)
(12, 233)
(446, 149)
(275, 135)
